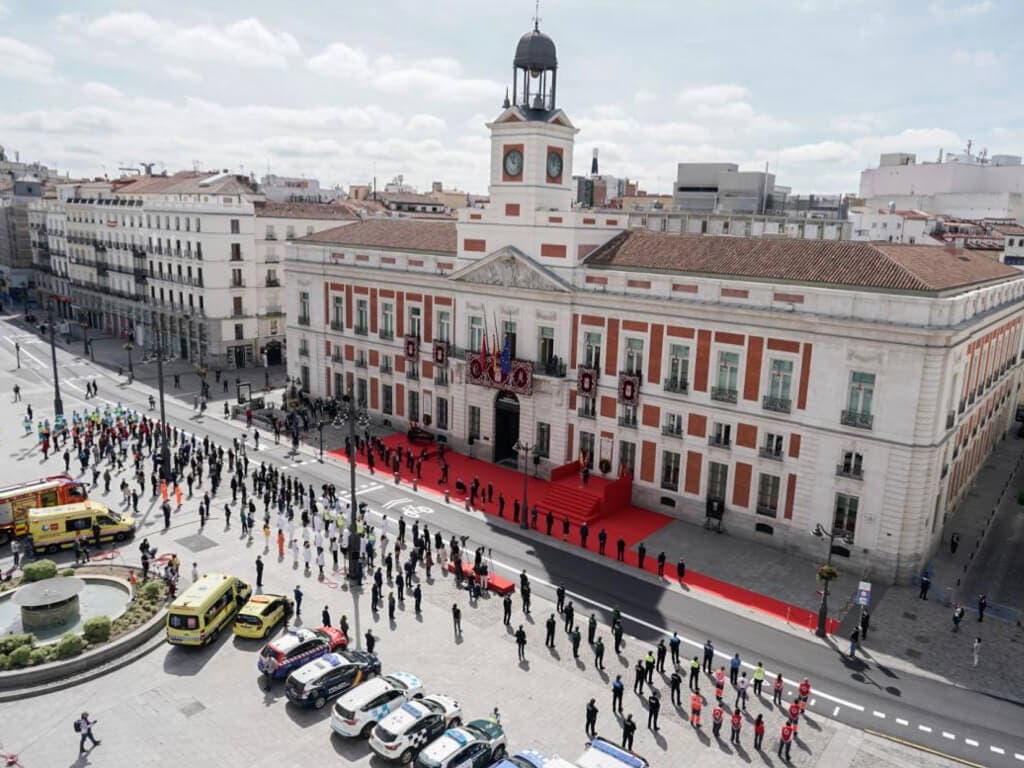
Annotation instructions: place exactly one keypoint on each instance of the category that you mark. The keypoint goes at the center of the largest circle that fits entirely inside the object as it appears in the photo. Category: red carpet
(598, 502)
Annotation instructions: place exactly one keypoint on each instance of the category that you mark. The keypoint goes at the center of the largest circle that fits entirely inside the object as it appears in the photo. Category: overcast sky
(344, 90)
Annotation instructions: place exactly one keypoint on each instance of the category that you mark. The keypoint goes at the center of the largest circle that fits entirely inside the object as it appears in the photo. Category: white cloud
(100, 92)
(441, 78)
(713, 95)
(184, 74)
(861, 122)
(980, 59)
(822, 152)
(21, 61)
(946, 13)
(425, 124)
(246, 43)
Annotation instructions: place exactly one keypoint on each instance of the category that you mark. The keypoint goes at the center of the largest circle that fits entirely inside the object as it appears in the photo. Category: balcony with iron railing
(627, 421)
(676, 384)
(337, 356)
(777, 404)
(724, 394)
(302, 320)
(668, 430)
(386, 334)
(850, 470)
(273, 282)
(386, 368)
(361, 362)
(361, 330)
(587, 412)
(774, 454)
(441, 377)
(237, 282)
(412, 373)
(670, 484)
(719, 441)
(767, 510)
(303, 351)
(554, 368)
(857, 419)
(337, 326)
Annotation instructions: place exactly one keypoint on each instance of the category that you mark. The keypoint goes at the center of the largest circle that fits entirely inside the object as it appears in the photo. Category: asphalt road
(972, 727)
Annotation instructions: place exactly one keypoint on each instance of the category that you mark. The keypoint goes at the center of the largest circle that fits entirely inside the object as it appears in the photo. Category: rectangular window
(718, 479)
(670, 463)
(444, 325)
(303, 307)
(361, 393)
(442, 413)
(673, 424)
(587, 447)
(768, 495)
(728, 375)
(545, 345)
(290, 232)
(678, 379)
(634, 356)
(845, 519)
(415, 321)
(236, 252)
(362, 315)
(772, 446)
(780, 380)
(387, 405)
(508, 332)
(236, 278)
(304, 347)
(852, 465)
(721, 435)
(543, 446)
(236, 306)
(239, 332)
(592, 349)
(862, 393)
(234, 227)
(627, 416)
(474, 422)
(627, 457)
(270, 232)
(476, 334)
(387, 320)
(304, 377)
(338, 314)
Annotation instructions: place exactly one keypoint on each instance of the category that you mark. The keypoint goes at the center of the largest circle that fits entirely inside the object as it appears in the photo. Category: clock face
(513, 162)
(554, 165)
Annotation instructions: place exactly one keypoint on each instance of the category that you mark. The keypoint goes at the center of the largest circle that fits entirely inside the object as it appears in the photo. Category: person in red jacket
(720, 684)
(794, 716)
(758, 732)
(696, 703)
(786, 741)
(717, 715)
(737, 723)
(777, 691)
(805, 693)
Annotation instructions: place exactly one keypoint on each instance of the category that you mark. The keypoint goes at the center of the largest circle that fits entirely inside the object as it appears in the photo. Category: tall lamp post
(58, 404)
(131, 368)
(85, 336)
(165, 450)
(524, 521)
(320, 429)
(831, 535)
(353, 414)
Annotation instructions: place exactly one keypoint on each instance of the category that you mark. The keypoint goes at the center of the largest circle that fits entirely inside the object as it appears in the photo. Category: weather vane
(536, 16)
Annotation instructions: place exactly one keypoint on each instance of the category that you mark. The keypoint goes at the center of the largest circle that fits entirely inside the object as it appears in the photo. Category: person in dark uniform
(591, 726)
(639, 677)
(591, 628)
(570, 615)
(560, 598)
(574, 638)
(599, 653)
(620, 550)
(521, 642)
(549, 521)
(661, 563)
(628, 729)
(617, 635)
(549, 637)
(681, 570)
(565, 528)
(584, 532)
(457, 619)
(506, 606)
(662, 653)
(641, 554)
(602, 539)
(676, 683)
(617, 690)
(653, 708)
(417, 596)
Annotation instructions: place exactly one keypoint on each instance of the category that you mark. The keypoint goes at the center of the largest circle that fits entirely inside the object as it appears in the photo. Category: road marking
(1018, 756)
(948, 735)
(970, 742)
(878, 714)
(925, 728)
(395, 503)
(998, 750)
(901, 721)
(922, 748)
(813, 702)
(835, 712)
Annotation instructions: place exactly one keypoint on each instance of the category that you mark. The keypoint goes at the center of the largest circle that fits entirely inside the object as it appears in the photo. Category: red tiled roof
(392, 234)
(304, 211)
(184, 182)
(1009, 229)
(830, 262)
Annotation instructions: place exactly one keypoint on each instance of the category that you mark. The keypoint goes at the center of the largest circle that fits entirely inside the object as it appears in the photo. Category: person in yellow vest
(696, 703)
(758, 678)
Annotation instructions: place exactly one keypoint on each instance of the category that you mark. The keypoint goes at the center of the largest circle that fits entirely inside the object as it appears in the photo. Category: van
(604, 754)
(55, 527)
(198, 614)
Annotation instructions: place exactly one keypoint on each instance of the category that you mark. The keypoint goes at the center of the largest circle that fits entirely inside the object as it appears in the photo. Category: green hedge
(38, 570)
(68, 572)
(151, 590)
(69, 645)
(20, 656)
(97, 629)
(10, 642)
(41, 655)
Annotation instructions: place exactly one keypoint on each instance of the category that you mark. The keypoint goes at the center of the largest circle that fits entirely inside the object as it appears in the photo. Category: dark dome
(536, 51)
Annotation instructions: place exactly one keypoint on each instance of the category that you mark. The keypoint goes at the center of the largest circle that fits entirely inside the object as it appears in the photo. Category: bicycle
(10, 758)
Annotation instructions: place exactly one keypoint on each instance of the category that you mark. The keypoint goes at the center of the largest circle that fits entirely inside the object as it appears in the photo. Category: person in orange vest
(786, 741)
(720, 684)
(163, 491)
(177, 495)
(696, 703)
(717, 714)
(794, 716)
(777, 693)
(737, 723)
(280, 543)
(805, 693)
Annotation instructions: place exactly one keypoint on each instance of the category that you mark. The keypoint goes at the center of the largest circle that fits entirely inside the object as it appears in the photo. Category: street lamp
(525, 448)
(85, 336)
(165, 450)
(353, 414)
(131, 368)
(58, 404)
(320, 429)
(831, 535)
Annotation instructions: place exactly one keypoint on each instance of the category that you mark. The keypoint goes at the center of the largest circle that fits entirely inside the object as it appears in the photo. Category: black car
(322, 679)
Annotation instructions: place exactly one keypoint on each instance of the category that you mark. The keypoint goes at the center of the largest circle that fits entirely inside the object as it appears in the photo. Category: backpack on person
(78, 726)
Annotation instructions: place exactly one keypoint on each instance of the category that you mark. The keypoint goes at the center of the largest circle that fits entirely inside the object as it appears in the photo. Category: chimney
(593, 164)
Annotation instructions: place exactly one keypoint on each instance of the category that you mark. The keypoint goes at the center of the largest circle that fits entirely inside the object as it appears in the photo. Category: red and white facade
(787, 383)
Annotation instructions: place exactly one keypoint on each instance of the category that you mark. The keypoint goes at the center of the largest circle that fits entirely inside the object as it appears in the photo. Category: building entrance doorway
(506, 426)
(273, 351)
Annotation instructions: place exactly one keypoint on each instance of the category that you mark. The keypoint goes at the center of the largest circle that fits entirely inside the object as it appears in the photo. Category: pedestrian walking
(391, 606)
(741, 693)
(976, 650)
(371, 641)
(618, 687)
(696, 704)
(638, 677)
(954, 542)
(599, 654)
(675, 683)
(777, 690)
(549, 631)
(786, 741)
(865, 622)
(617, 635)
(195, 572)
(259, 572)
(982, 606)
(709, 656)
(297, 594)
(325, 617)
(83, 727)
(521, 642)
(457, 619)
(958, 616)
(854, 640)
(673, 646)
(662, 653)
(737, 723)
(591, 726)
(758, 732)
(591, 628)
(628, 729)
(717, 716)
(560, 599)
(926, 584)
(734, 669)
(681, 570)
(653, 708)
(574, 638)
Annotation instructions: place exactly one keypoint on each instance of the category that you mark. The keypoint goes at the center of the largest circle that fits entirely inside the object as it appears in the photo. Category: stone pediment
(509, 267)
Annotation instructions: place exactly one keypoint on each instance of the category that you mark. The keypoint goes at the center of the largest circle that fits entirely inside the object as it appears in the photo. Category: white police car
(400, 735)
(476, 744)
(604, 754)
(531, 758)
(358, 711)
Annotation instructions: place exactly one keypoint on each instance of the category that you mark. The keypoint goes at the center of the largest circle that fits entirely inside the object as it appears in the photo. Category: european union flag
(506, 356)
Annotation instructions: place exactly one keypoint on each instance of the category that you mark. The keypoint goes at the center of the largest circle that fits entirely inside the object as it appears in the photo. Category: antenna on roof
(536, 16)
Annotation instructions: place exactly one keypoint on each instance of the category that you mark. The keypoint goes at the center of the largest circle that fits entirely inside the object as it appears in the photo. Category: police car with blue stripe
(331, 675)
(604, 754)
(473, 745)
(297, 647)
(400, 735)
(531, 758)
(358, 711)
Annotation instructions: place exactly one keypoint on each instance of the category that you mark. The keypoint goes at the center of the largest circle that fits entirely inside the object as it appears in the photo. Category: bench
(495, 583)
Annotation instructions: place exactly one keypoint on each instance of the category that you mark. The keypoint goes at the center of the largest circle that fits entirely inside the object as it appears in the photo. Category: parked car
(358, 711)
(400, 735)
(474, 745)
(319, 681)
(261, 614)
(297, 647)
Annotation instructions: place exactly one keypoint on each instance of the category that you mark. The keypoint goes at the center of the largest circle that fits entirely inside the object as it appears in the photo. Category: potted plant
(605, 466)
(828, 573)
